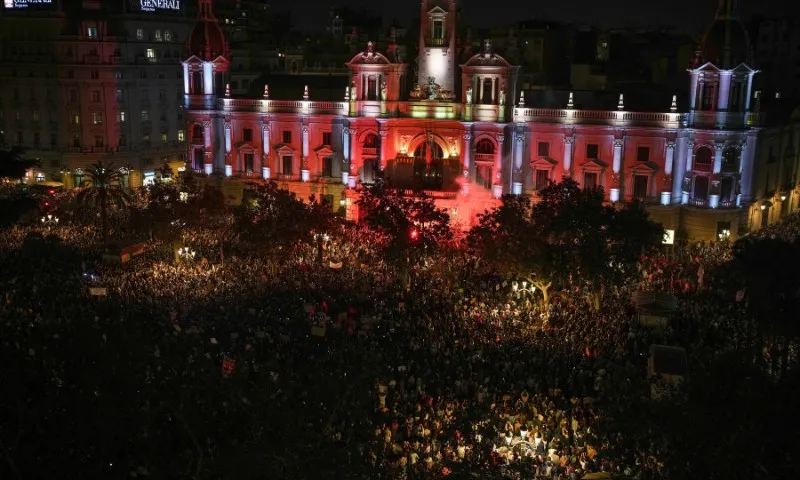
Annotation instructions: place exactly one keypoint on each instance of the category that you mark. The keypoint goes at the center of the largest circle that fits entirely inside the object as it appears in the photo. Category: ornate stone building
(469, 138)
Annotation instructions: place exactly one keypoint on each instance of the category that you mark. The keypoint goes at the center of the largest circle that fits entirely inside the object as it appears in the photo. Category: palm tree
(102, 187)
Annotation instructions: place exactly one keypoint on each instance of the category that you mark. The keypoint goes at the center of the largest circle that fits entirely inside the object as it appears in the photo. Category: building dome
(207, 41)
(487, 58)
(725, 42)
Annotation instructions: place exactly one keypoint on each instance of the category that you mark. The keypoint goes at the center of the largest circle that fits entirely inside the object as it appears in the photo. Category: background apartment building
(92, 80)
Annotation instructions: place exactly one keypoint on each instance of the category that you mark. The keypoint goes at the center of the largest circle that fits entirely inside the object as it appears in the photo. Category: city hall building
(466, 136)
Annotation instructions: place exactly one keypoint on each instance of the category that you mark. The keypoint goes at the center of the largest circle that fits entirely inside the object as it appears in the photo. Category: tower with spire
(205, 64)
(721, 72)
(437, 43)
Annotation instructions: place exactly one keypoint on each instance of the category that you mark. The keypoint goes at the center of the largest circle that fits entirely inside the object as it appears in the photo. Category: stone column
(519, 147)
(614, 191)
(383, 131)
(208, 78)
(186, 79)
(466, 152)
(718, 147)
(208, 150)
(228, 145)
(687, 182)
(349, 176)
(724, 90)
(466, 158)
(305, 172)
(497, 186)
(749, 92)
(569, 141)
(669, 157)
(266, 171)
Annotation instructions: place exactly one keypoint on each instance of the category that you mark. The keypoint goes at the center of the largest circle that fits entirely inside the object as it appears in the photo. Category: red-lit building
(466, 136)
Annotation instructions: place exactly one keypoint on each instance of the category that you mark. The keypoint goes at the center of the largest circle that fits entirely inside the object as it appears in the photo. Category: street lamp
(186, 253)
(523, 288)
(50, 220)
(724, 234)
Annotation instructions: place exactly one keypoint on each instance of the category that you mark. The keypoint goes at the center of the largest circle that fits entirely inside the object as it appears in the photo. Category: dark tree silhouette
(13, 163)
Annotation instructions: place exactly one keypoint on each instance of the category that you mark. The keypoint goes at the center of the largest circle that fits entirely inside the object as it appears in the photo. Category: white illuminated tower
(437, 43)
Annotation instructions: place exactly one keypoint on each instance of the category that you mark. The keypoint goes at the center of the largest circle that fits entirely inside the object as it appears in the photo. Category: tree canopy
(274, 215)
(567, 234)
(411, 226)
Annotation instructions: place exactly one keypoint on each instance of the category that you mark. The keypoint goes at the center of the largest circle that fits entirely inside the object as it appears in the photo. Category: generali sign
(153, 5)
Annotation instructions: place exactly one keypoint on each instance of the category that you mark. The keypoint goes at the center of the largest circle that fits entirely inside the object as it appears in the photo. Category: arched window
(485, 146)
(435, 150)
(371, 141)
(703, 159)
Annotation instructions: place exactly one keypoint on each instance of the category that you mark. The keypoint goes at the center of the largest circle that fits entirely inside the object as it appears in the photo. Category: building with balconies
(90, 81)
(692, 166)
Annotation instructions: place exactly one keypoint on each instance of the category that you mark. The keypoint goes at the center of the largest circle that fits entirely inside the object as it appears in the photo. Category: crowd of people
(457, 374)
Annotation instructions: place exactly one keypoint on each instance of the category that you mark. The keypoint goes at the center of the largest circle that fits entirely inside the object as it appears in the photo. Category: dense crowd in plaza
(329, 362)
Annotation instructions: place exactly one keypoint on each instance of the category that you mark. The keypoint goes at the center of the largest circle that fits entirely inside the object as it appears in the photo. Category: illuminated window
(151, 54)
(145, 116)
(120, 95)
(167, 36)
(91, 32)
(76, 118)
(121, 117)
(139, 34)
(157, 35)
(97, 118)
(163, 137)
(181, 135)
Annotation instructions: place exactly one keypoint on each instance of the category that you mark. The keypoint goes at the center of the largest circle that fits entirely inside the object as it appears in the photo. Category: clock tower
(437, 43)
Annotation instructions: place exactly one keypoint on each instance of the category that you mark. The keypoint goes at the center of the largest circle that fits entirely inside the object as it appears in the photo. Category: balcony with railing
(283, 106)
(733, 120)
(598, 117)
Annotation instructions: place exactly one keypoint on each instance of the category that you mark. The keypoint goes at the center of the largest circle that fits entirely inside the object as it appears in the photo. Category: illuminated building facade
(465, 136)
(93, 81)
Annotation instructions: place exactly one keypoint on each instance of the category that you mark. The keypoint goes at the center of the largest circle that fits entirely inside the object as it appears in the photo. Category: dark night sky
(688, 15)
